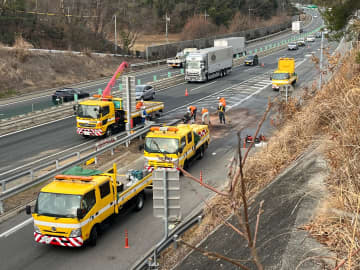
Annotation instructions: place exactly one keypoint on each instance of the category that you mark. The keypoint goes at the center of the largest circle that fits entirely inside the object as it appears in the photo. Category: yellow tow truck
(70, 209)
(104, 115)
(285, 73)
(170, 146)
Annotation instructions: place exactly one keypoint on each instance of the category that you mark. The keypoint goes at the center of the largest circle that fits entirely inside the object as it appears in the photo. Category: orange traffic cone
(186, 92)
(126, 239)
(201, 177)
(262, 65)
(244, 146)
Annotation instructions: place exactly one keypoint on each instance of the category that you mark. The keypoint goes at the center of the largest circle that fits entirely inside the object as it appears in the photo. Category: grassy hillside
(22, 71)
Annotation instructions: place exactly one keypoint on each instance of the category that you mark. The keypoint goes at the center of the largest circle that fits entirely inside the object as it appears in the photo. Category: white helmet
(218, 98)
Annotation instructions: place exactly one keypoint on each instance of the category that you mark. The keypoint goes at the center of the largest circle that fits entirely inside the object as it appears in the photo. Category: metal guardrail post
(1, 208)
(57, 164)
(78, 155)
(3, 186)
(95, 160)
(32, 174)
(175, 237)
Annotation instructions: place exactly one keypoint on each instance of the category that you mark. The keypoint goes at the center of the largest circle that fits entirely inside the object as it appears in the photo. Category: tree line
(132, 17)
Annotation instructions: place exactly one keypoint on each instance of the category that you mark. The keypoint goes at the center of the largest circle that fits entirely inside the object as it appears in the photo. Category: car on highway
(251, 60)
(310, 38)
(67, 94)
(144, 92)
(292, 46)
(301, 42)
(318, 35)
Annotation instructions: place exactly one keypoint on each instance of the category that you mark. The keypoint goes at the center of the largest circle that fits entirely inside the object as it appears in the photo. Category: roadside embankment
(329, 119)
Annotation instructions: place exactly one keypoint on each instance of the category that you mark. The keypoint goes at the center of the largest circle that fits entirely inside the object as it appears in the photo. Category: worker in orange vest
(221, 112)
(139, 105)
(192, 110)
(222, 101)
(205, 115)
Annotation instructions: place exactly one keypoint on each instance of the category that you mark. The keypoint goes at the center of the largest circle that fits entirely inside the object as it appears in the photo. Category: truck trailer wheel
(93, 236)
(139, 201)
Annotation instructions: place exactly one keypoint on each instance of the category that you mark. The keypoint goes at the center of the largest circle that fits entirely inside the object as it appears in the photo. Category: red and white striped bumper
(89, 132)
(58, 241)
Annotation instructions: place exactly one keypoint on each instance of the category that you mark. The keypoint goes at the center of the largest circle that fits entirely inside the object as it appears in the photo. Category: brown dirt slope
(22, 71)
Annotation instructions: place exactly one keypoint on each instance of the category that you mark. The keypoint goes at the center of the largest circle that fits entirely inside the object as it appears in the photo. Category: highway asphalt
(19, 251)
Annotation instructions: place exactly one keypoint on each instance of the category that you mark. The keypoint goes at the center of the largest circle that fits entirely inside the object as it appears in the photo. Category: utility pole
(321, 59)
(206, 15)
(250, 9)
(115, 36)
(167, 19)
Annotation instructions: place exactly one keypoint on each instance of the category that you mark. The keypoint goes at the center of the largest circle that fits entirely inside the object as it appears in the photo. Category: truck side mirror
(79, 213)
(28, 210)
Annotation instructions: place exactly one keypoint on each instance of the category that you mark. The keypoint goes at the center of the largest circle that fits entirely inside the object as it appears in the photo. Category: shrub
(198, 27)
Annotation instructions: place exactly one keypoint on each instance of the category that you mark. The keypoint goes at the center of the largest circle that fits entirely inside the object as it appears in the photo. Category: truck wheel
(201, 153)
(108, 132)
(186, 165)
(93, 236)
(139, 202)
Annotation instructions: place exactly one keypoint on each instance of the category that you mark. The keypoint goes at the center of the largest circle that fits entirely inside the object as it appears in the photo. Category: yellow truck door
(88, 209)
(106, 201)
(190, 145)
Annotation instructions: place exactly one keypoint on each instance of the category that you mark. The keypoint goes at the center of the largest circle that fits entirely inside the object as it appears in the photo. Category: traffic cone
(186, 92)
(126, 239)
(262, 65)
(201, 179)
(244, 146)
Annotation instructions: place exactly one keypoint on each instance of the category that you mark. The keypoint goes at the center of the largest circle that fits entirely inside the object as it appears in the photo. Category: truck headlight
(36, 229)
(75, 233)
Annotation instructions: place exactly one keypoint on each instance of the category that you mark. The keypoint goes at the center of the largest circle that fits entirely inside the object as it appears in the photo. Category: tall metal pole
(166, 26)
(115, 36)
(321, 59)
(166, 221)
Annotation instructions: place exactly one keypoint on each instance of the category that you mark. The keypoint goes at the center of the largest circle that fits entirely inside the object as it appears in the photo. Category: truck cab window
(183, 142)
(104, 189)
(88, 201)
(189, 136)
(105, 110)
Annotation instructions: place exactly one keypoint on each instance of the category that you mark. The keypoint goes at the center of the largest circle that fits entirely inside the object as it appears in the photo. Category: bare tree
(237, 188)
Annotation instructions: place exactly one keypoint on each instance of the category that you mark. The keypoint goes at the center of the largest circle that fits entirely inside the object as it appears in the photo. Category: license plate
(46, 239)
(86, 133)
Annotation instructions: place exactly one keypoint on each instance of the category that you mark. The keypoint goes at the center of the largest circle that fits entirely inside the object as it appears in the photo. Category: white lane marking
(202, 86)
(16, 228)
(35, 126)
(96, 84)
(44, 158)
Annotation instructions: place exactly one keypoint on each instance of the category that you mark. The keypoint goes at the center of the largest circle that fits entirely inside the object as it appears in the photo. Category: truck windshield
(193, 64)
(280, 76)
(162, 145)
(57, 205)
(88, 111)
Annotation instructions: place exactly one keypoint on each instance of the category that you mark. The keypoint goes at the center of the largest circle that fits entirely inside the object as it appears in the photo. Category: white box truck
(237, 44)
(297, 27)
(179, 60)
(209, 63)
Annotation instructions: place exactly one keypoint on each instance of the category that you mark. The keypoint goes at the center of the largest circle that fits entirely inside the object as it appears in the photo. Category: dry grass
(330, 118)
(23, 71)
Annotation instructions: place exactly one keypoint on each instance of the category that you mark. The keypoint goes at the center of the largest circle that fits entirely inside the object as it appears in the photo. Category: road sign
(166, 193)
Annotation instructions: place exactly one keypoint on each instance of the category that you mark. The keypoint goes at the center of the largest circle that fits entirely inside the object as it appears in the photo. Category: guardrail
(111, 144)
(146, 261)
